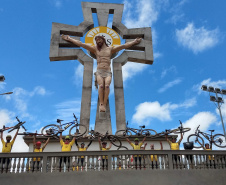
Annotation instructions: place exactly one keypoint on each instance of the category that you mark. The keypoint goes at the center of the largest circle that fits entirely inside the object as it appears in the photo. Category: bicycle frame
(207, 136)
(18, 125)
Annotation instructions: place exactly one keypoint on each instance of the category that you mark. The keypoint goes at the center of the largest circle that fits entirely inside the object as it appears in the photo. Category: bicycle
(217, 139)
(18, 125)
(162, 134)
(113, 139)
(139, 132)
(180, 129)
(52, 130)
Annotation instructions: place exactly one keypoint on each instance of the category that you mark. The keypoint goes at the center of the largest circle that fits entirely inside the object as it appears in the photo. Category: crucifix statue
(103, 54)
(65, 45)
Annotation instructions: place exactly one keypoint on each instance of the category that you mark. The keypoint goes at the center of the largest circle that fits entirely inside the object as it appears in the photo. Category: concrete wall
(167, 177)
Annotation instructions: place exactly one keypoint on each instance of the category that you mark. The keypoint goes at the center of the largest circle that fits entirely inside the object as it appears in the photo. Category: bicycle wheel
(114, 140)
(50, 130)
(77, 130)
(219, 140)
(197, 140)
(123, 157)
(149, 132)
(123, 133)
(122, 148)
(178, 131)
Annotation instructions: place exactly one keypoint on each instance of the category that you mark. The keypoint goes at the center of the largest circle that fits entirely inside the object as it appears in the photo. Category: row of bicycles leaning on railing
(80, 131)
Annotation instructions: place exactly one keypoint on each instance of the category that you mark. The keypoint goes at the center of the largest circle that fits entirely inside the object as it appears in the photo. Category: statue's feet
(102, 108)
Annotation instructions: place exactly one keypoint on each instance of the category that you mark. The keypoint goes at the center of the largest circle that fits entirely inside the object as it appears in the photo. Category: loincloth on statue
(103, 73)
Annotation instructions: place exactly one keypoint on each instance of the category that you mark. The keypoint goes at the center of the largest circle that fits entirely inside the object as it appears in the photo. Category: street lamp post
(2, 79)
(216, 99)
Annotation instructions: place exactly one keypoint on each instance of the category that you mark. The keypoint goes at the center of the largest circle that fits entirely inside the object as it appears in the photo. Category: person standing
(174, 145)
(103, 147)
(37, 148)
(136, 146)
(154, 158)
(82, 148)
(66, 146)
(7, 147)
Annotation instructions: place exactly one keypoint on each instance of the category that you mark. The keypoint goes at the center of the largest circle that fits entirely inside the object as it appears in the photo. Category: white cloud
(152, 110)
(166, 71)
(6, 117)
(131, 69)
(57, 3)
(146, 12)
(157, 55)
(169, 85)
(78, 75)
(175, 18)
(2, 86)
(21, 97)
(66, 109)
(149, 110)
(197, 39)
(176, 11)
(39, 90)
(217, 84)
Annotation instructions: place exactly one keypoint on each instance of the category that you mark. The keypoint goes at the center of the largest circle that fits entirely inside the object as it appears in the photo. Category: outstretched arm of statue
(126, 45)
(78, 43)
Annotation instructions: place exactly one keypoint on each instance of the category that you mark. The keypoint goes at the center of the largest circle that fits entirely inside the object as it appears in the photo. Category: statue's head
(100, 40)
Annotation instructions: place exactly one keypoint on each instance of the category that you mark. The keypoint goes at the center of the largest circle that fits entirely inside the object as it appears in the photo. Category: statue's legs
(100, 82)
(103, 90)
(107, 83)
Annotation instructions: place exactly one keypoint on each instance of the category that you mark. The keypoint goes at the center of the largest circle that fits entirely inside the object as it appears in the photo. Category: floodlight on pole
(216, 99)
(223, 91)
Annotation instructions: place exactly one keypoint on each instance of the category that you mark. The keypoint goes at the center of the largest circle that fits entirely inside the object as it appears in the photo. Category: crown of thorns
(101, 37)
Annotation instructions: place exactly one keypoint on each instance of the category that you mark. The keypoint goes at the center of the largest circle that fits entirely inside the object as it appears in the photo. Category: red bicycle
(18, 125)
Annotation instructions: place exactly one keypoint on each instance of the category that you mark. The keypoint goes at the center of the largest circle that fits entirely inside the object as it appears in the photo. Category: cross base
(102, 115)
(103, 120)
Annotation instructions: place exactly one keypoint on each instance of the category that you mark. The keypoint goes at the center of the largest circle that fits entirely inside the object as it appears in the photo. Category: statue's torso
(104, 58)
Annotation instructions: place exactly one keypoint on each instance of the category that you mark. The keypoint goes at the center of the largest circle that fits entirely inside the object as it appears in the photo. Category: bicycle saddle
(211, 130)
(59, 120)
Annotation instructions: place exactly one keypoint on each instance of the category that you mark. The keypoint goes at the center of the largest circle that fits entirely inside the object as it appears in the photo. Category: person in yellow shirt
(82, 148)
(103, 147)
(136, 146)
(175, 145)
(154, 157)
(66, 146)
(37, 148)
(210, 157)
(7, 146)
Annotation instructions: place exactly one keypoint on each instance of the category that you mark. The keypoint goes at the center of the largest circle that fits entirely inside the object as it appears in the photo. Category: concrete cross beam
(142, 53)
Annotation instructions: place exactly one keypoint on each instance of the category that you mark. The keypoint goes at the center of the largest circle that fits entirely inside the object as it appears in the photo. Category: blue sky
(189, 50)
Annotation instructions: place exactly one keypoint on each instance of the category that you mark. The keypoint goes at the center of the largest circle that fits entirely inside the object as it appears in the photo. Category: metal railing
(55, 162)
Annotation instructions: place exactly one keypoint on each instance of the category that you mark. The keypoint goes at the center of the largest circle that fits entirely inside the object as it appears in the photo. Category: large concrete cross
(59, 50)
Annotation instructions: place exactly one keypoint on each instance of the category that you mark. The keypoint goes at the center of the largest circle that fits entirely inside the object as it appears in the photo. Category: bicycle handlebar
(18, 119)
(76, 119)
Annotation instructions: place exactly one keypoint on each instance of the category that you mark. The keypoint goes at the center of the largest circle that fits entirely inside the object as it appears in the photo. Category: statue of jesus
(103, 54)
